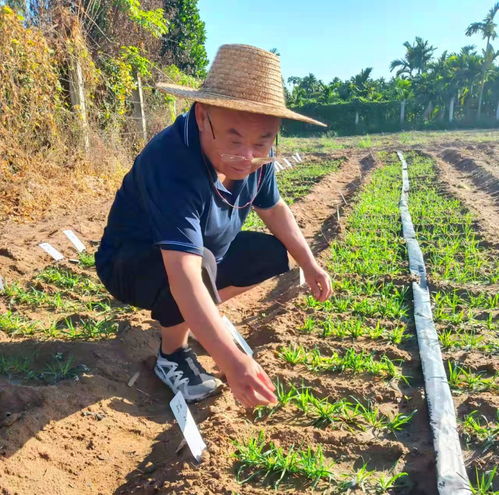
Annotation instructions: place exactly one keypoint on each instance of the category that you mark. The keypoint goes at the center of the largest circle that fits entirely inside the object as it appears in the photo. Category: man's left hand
(319, 282)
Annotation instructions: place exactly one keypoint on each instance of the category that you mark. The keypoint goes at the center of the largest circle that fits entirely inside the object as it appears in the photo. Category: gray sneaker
(182, 372)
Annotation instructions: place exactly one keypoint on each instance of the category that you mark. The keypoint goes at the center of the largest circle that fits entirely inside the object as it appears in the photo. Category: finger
(329, 286)
(265, 392)
(326, 286)
(265, 378)
(316, 290)
(257, 398)
(321, 292)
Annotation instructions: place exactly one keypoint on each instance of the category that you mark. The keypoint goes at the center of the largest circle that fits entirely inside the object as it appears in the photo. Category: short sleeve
(268, 194)
(172, 205)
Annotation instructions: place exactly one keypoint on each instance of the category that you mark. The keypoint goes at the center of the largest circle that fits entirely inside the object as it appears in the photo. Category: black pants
(136, 275)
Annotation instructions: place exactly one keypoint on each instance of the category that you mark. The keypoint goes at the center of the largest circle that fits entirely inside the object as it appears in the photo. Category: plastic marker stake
(188, 426)
(302, 277)
(237, 336)
(52, 251)
(2, 285)
(296, 159)
(74, 239)
(299, 157)
(277, 166)
(288, 163)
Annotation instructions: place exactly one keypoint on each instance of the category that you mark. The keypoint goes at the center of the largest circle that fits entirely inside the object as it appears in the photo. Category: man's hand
(248, 382)
(319, 282)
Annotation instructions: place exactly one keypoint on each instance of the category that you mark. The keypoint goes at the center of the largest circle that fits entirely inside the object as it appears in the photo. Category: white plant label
(296, 159)
(237, 336)
(52, 251)
(188, 426)
(299, 157)
(277, 166)
(302, 278)
(288, 163)
(74, 239)
(2, 285)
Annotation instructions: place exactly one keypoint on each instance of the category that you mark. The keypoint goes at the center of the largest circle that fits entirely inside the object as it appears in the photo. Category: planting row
(349, 368)
(60, 302)
(463, 271)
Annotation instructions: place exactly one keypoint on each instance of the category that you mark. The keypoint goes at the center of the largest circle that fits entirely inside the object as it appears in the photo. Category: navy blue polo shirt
(168, 197)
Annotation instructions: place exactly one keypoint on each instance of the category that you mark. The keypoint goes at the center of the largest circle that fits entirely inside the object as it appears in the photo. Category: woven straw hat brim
(232, 103)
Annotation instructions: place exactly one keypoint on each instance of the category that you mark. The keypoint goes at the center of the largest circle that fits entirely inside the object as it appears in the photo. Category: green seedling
(343, 412)
(35, 298)
(61, 369)
(462, 378)
(386, 483)
(477, 428)
(15, 324)
(272, 464)
(351, 361)
(88, 328)
(86, 259)
(17, 367)
(66, 279)
(356, 481)
(23, 369)
(484, 482)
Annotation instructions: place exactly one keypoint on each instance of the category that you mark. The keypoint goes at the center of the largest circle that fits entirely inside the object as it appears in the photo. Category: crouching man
(173, 242)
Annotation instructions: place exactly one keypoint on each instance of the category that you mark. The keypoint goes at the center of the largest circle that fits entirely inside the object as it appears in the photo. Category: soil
(99, 436)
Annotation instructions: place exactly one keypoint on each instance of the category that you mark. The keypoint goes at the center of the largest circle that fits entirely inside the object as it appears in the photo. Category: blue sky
(340, 37)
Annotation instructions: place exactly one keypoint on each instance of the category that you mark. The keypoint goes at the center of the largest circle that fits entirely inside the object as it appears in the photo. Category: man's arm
(281, 222)
(247, 380)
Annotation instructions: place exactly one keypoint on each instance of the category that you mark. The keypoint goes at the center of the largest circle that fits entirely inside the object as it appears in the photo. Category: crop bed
(464, 274)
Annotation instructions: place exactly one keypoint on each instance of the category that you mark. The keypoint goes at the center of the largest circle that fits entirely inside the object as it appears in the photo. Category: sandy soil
(97, 435)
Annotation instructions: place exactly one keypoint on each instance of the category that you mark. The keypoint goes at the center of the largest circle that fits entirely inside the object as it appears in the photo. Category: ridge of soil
(475, 186)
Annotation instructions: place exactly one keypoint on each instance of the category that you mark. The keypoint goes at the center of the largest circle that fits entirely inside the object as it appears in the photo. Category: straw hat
(242, 77)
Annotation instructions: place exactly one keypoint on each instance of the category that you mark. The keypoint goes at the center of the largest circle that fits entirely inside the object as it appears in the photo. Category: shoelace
(176, 375)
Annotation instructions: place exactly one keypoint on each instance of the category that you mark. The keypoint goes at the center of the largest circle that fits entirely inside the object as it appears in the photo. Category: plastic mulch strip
(452, 478)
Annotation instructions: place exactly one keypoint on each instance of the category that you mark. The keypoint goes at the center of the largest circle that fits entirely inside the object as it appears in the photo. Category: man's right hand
(248, 382)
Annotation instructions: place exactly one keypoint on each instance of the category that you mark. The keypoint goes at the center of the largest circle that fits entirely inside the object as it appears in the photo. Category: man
(173, 242)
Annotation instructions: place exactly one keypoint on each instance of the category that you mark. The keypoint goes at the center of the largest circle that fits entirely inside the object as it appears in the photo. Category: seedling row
(348, 367)
(61, 302)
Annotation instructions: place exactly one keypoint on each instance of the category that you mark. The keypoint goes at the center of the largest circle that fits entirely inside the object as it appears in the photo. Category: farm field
(351, 416)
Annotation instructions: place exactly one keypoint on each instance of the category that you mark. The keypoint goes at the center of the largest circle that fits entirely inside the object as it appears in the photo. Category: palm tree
(417, 57)
(467, 66)
(360, 83)
(487, 28)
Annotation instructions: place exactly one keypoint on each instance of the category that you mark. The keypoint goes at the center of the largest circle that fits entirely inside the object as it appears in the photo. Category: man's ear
(201, 119)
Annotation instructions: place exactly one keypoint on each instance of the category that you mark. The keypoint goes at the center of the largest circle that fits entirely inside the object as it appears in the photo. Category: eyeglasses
(229, 158)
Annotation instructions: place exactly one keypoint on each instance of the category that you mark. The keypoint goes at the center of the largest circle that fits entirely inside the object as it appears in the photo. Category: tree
(416, 58)
(487, 28)
(183, 45)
